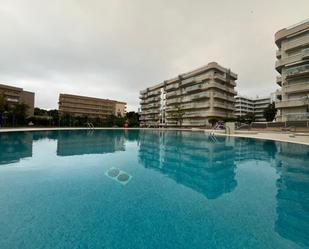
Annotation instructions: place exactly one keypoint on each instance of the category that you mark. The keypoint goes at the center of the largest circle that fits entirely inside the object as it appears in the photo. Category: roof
(89, 98)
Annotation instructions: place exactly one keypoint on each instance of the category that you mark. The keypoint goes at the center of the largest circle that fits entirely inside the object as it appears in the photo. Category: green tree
(178, 114)
(133, 119)
(54, 114)
(249, 117)
(19, 112)
(213, 120)
(113, 121)
(270, 112)
(3, 104)
(40, 112)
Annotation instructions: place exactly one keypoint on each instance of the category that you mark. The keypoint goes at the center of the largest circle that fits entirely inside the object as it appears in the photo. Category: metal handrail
(90, 125)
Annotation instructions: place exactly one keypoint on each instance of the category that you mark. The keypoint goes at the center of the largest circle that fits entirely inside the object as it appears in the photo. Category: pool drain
(113, 172)
(123, 177)
(118, 175)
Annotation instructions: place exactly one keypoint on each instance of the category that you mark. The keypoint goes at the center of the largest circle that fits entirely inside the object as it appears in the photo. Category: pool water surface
(149, 189)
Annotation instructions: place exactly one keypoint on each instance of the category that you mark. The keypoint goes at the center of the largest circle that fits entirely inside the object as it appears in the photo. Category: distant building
(14, 95)
(259, 106)
(293, 66)
(91, 107)
(245, 105)
(199, 95)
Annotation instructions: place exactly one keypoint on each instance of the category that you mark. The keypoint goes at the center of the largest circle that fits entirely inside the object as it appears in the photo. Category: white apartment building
(196, 96)
(245, 105)
(293, 65)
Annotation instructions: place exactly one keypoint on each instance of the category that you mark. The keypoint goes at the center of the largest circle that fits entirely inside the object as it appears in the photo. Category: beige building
(293, 65)
(15, 95)
(91, 107)
(190, 98)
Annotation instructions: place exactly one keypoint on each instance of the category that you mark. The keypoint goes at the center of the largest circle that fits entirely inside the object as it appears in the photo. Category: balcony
(297, 43)
(197, 79)
(200, 95)
(143, 96)
(194, 88)
(287, 60)
(154, 105)
(172, 101)
(188, 81)
(195, 123)
(147, 112)
(278, 54)
(224, 106)
(203, 77)
(172, 87)
(295, 88)
(292, 103)
(297, 71)
(195, 105)
(195, 114)
(305, 53)
(153, 117)
(279, 80)
(222, 87)
(173, 94)
(153, 99)
(297, 116)
(223, 78)
(224, 97)
(154, 93)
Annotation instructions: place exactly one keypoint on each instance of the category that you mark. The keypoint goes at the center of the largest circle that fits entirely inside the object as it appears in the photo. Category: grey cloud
(113, 49)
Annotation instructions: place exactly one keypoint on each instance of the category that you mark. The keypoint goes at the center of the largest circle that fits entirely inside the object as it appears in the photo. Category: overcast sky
(113, 49)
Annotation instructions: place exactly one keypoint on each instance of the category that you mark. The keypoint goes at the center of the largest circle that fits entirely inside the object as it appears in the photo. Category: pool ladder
(90, 125)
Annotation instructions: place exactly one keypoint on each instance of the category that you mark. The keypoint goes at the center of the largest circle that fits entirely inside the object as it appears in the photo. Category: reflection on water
(12, 150)
(293, 193)
(192, 160)
(255, 150)
(195, 160)
(89, 142)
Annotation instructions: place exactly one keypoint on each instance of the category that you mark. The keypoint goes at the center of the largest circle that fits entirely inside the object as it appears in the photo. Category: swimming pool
(151, 189)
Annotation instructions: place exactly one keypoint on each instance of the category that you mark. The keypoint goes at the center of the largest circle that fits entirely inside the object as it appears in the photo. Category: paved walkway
(300, 138)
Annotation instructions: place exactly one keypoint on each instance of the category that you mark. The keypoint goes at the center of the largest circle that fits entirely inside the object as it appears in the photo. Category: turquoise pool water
(151, 189)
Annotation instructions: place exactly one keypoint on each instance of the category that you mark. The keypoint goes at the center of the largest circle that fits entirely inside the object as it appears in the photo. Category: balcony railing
(154, 93)
(187, 81)
(292, 102)
(173, 94)
(297, 43)
(194, 88)
(188, 106)
(200, 95)
(297, 116)
(224, 106)
(195, 114)
(153, 99)
(295, 88)
(305, 53)
(224, 96)
(279, 80)
(171, 87)
(172, 101)
(297, 71)
(223, 87)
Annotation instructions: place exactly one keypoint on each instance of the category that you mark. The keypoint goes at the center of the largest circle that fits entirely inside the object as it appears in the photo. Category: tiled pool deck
(300, 138)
